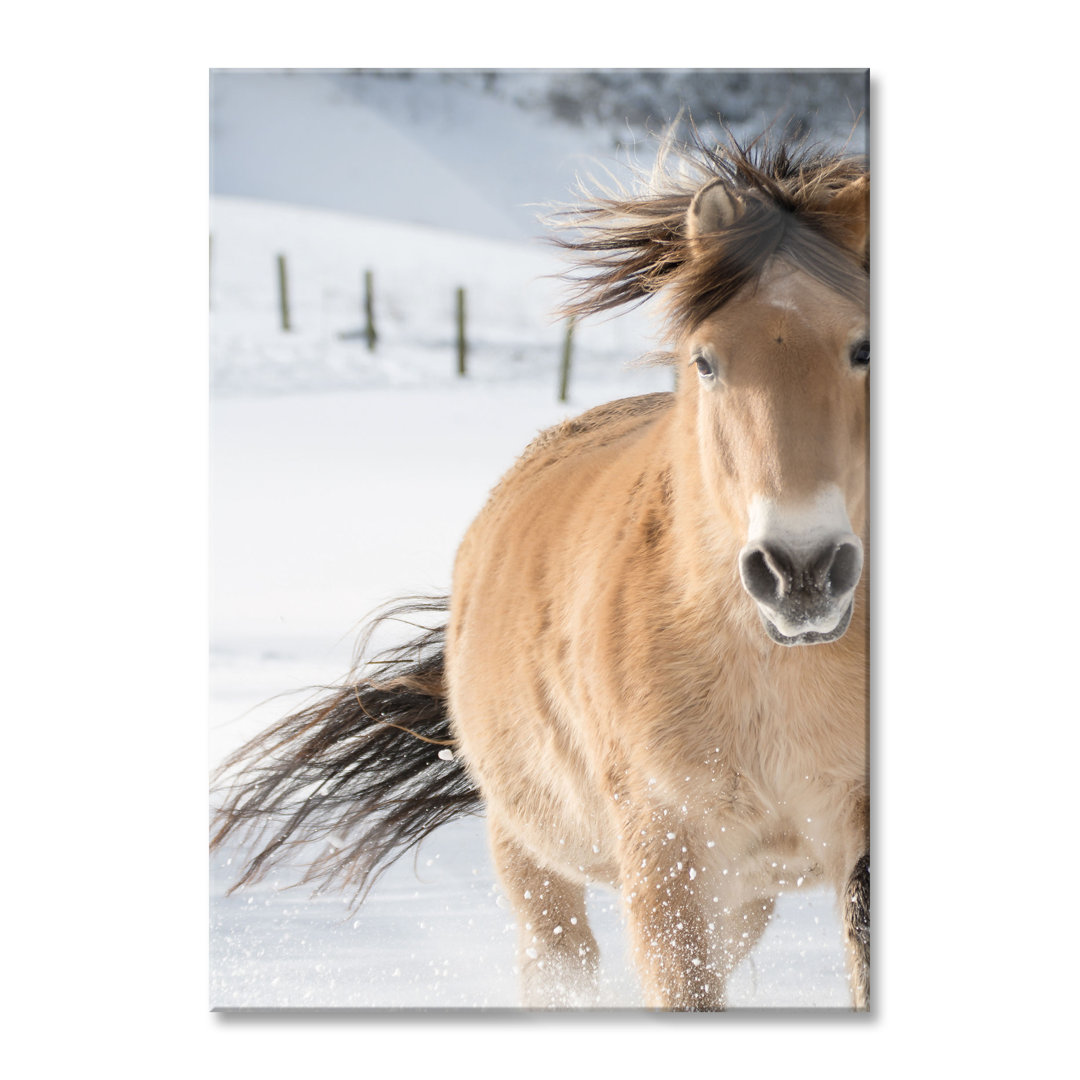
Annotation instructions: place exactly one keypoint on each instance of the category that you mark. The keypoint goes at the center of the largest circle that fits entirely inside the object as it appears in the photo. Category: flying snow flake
(446, 754)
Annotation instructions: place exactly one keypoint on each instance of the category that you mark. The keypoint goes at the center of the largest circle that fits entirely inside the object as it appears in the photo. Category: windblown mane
(632, 244)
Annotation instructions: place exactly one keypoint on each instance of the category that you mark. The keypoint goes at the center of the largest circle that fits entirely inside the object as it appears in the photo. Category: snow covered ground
(295, 564)
(341, 479)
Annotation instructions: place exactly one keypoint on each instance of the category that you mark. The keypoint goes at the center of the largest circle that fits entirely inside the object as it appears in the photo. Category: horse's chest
(760, 764)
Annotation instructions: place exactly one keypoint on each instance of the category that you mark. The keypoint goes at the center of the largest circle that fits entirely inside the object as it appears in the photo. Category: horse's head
(779, 380)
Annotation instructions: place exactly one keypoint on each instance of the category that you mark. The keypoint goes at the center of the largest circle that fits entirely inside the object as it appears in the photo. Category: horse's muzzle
(804, 597)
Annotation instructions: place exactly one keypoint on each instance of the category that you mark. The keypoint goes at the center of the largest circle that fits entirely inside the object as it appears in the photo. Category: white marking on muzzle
(801, 527)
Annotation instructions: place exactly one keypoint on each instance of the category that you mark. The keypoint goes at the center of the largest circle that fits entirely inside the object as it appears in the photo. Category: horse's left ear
(713, 208)
(849, 211)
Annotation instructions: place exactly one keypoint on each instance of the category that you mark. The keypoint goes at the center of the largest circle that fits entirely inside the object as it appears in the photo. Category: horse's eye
(860, 354)
(705, 369)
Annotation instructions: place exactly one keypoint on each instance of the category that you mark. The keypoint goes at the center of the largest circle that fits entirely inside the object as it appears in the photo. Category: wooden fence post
(564, 369)
(461, 347)
(283, 292)
(369, 309)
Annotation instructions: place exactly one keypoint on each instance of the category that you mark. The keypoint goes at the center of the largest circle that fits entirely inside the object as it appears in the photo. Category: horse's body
(656, 657)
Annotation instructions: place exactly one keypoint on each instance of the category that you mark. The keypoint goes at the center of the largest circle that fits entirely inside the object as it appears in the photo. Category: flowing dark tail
(358, 772)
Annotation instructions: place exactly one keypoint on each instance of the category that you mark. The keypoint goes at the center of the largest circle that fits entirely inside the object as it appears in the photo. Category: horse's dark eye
(705, 369)
(860, 354)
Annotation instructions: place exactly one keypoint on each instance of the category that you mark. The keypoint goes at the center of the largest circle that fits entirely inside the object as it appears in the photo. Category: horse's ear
(713, 208)
(849, 211)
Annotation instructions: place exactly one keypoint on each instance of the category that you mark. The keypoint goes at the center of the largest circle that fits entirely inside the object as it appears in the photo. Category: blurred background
(473, 153)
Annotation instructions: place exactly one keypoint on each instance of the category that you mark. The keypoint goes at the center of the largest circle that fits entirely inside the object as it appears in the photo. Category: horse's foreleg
(669, 931)
(557, 953)
(736, 931)
(856, 908)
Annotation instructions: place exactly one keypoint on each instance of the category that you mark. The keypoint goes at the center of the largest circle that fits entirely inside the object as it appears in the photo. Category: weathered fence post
(461, 331)
(564, 368)
(369, 309)
(283, 292)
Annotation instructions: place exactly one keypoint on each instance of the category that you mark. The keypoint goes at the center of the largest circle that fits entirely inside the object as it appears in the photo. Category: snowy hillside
(403, 150)
(476, 151)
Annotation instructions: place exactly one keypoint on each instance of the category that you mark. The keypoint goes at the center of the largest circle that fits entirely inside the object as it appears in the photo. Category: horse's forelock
(630, 245)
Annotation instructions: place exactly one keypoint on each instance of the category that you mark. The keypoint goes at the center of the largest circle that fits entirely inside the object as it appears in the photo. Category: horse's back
(599, 427)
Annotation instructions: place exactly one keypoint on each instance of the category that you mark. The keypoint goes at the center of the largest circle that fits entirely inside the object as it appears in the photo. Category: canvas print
(539, 539)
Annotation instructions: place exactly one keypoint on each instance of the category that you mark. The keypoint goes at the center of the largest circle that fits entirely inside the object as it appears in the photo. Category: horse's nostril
(773, 575)
(762, 577)
(845, 569)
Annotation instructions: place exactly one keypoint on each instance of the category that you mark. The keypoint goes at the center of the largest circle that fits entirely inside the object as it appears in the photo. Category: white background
(105, 450)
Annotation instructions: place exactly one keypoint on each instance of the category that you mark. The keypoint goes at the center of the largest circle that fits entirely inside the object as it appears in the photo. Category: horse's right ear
(849, 213)
(713, 208)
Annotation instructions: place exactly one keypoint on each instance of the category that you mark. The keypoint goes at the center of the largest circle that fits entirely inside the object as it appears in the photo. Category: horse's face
(780, 375)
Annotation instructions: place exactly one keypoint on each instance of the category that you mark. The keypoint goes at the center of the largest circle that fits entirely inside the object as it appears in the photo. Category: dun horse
(654, 669)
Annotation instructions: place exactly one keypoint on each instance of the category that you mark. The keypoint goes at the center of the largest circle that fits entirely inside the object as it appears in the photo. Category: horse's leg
(667, 921)
(557, 953)
(856, 908)
(736, 931)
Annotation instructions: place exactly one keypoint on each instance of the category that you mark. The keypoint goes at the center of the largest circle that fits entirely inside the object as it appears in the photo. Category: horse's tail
(366, 772)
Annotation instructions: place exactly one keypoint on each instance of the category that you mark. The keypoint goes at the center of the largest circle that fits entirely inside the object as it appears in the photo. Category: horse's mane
(633, 243)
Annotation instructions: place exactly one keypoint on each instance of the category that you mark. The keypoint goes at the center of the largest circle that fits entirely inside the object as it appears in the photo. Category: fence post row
(372, 336)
